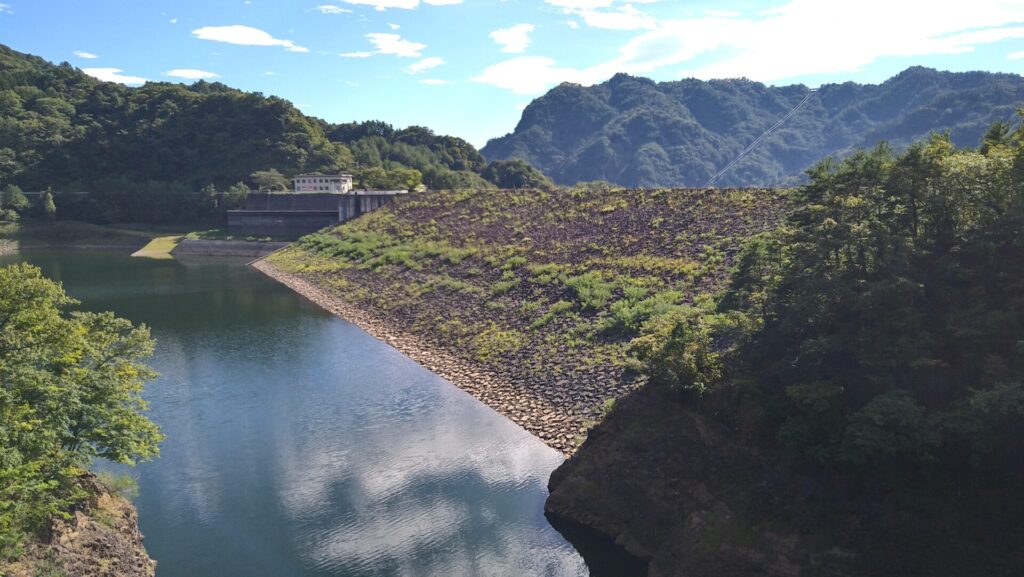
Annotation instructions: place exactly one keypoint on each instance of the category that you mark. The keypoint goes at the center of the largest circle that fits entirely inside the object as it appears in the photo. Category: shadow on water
(603, 557)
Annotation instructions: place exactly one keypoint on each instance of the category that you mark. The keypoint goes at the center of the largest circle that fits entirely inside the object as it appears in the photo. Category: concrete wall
(279, 223)
(293, 215)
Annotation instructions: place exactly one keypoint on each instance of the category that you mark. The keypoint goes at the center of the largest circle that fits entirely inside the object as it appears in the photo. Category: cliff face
(102, 539)
(681, 483)
(674, 486)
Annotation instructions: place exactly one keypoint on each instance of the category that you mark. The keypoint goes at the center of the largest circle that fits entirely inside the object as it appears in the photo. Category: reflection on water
(299, 445)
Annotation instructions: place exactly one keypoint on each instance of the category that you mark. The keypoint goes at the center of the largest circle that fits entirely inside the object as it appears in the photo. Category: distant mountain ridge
(637, 132)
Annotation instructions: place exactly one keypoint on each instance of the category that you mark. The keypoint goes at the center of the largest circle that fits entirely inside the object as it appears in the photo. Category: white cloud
(572, 24)
(6, 8)
(87, 55)
(513, 39)
(173, 20)
(581, 4)
(191, 74)
(356, 54)
(424, 65)
(270, 73)
(332, 9)
(390, 44)
(528, 75)
(113, 75)
(798, 38)
(621, 18)
(1016, 55)
(434, 81)
(245, 36)
(402, 4)
(393, 26)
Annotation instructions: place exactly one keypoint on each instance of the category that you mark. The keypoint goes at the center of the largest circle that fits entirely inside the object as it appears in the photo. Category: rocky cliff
(101, 539)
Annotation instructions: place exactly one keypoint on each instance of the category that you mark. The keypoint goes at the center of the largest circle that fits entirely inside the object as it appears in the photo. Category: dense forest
(64, 130)
(882, 321)
(636, 132)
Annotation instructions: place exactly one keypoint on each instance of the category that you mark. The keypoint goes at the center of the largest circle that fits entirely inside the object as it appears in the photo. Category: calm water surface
(298, 445)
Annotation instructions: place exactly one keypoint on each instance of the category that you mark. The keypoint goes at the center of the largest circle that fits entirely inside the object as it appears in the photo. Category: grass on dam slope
(547, 289)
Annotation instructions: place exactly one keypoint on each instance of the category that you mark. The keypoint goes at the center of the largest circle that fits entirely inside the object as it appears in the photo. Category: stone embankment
(559, 427)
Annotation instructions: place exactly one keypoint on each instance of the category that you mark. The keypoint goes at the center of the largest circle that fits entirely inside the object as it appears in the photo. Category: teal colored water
(298, 445)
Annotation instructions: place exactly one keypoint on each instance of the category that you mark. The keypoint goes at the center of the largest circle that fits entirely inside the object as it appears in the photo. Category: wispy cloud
(607, 14)
(332, 9)
(113, 75)
(424, 65)
(393, 26)
(402, 4)
(245, 36)
(514, 38)
(794, 39)
(86, 55)
(386, 43)
(6, 8)
(191, 74)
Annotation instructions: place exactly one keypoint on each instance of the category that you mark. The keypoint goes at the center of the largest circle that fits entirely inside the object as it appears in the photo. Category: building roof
(343, 175)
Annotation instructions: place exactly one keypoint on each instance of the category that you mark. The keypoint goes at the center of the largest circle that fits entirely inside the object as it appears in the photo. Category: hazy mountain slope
(636, 132)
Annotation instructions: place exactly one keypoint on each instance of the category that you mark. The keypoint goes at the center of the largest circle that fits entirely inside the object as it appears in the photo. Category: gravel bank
(558, 427)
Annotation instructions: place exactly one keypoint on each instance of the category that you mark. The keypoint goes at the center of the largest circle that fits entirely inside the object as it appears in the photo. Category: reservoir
(298, 445)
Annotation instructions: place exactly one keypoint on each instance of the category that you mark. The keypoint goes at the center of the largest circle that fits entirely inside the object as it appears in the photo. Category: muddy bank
(554, 426)
(236, 248)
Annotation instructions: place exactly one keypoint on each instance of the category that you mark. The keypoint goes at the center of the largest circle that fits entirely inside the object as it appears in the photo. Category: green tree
(885, 316)
(12, 198)
(234, 197)
(71, 392)
(515, 173)
(271, 180)
(208, 200)
(45, 207)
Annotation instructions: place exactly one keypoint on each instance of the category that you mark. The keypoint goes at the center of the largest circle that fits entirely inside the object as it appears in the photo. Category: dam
(293, 214)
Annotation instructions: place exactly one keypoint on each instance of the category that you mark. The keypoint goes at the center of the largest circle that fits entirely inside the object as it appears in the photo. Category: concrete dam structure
(291, 215)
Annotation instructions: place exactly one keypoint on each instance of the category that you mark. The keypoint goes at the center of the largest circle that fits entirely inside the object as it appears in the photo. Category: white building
(336, 183)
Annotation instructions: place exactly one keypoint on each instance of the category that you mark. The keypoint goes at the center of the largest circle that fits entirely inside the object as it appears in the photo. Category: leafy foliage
(636, 132)
(62, 129)
(882, 323)
(71, 393)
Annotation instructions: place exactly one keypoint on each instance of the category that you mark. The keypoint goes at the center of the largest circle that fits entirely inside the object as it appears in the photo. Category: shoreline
(557, 429)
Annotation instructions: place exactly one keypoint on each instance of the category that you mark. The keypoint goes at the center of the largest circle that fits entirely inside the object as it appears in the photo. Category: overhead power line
(760, 139)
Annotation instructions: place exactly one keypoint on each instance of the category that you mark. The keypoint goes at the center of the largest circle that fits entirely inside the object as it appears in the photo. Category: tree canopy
(71, 384)
(63, 129)
(881, 325)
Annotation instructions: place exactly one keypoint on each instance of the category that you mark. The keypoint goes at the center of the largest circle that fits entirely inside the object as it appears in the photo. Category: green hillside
(545, 289)
(636, 132)
(63, 129)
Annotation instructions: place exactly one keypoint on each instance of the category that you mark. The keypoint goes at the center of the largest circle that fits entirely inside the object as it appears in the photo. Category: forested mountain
(636, 132)
(63, 129)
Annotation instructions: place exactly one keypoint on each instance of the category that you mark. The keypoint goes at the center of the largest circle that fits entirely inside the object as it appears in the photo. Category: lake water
(298, 445)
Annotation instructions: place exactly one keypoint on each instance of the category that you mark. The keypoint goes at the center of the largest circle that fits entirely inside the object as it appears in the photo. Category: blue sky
(468, 67)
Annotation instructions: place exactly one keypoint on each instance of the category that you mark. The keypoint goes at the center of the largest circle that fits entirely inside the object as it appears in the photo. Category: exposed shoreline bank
(557, 429)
